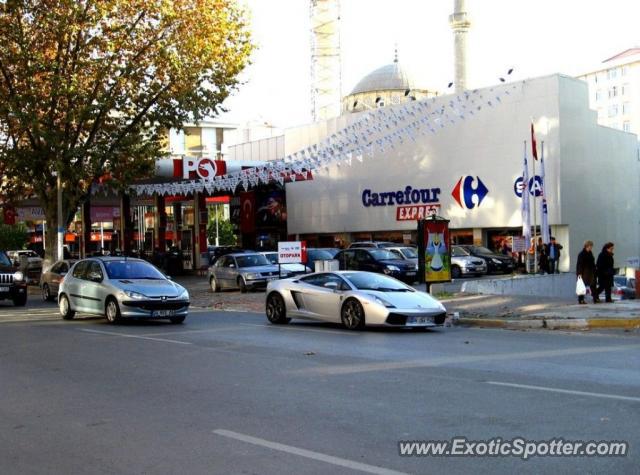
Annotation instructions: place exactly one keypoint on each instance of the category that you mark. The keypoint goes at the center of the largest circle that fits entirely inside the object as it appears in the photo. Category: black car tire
(352, 315)
(242, 285)
(276, 310)
(46, 293)
(177, 320)
(456, 273)
(112, 310)
(65, 308)
(20, 300)
(213, 283)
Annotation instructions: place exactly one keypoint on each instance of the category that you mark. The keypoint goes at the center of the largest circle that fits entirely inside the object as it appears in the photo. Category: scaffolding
(325, 59)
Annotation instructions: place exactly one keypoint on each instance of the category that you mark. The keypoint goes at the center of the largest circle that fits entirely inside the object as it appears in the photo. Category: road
(227, 393)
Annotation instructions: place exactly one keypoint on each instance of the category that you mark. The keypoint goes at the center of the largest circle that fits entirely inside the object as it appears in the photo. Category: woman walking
(605, 271)
(586, 268)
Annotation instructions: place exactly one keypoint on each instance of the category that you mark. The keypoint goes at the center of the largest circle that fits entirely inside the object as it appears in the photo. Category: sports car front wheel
(276, 310)
(353, 315)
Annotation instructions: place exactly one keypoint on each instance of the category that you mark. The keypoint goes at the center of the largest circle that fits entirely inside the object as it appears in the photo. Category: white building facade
(468, 173)
(614, 91)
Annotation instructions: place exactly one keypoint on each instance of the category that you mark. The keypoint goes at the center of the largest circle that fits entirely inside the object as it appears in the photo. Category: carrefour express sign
(412, 203)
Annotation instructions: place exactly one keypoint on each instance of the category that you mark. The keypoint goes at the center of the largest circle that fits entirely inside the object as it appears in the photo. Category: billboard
(435, 249)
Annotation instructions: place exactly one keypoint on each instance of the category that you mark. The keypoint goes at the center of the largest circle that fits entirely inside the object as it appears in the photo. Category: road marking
(299, 329)
(565, 391)
(449, 360)
(362, 467)
(140, 337)
(214, 330)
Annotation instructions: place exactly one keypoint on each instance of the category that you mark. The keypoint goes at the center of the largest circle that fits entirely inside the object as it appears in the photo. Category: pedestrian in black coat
(586, 268)
(605, 271)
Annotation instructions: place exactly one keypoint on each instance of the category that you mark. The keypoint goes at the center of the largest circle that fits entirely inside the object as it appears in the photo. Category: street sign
(292, 252)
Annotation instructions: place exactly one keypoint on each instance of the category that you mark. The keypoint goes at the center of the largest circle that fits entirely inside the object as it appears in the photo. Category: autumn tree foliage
(88, 88)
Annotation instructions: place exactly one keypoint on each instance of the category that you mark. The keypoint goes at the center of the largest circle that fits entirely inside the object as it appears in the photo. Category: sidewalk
(494, 311)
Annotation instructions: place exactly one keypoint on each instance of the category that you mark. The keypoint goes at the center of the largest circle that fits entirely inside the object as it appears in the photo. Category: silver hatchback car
(121, 287)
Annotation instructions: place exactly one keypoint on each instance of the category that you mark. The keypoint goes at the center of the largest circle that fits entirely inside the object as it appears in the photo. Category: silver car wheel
(353, 315)
(112, 311)
(213, 283)
(46, 293)
(65, 308)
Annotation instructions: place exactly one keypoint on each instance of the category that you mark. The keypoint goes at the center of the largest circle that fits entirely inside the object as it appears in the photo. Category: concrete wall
(550, 286)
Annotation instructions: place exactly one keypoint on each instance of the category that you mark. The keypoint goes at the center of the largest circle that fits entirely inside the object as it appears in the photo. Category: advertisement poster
(437, 251)
(272, 210)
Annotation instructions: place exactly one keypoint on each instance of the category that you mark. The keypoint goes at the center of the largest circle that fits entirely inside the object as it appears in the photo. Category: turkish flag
(9, 215)
(247, 212)
(534, 148)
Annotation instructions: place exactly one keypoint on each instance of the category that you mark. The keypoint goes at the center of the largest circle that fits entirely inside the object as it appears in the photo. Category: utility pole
(60, 217)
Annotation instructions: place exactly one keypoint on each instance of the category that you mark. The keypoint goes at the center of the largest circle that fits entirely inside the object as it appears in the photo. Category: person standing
(543, 261)
(553, 255)
(586, 268)
(605, 271)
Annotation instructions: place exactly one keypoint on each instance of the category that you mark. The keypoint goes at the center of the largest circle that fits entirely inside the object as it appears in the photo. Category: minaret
(460, 25)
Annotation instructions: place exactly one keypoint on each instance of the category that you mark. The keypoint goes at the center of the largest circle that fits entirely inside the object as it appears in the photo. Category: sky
(534, 37)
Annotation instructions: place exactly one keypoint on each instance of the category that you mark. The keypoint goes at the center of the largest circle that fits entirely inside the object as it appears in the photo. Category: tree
(88, 88)
(226, 234)
(12, 236)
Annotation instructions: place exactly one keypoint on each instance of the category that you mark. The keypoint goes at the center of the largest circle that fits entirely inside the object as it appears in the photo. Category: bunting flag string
(375, 130)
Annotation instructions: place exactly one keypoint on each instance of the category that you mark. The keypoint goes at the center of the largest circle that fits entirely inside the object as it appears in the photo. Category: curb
(551, 323)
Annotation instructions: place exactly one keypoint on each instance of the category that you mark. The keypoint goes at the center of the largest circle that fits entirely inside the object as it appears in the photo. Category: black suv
(495, 262)
(378, 260)
(13, 284)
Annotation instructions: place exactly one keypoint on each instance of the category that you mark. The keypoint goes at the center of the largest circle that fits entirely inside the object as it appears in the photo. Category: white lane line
(565, 391)
(213, 330)
(362, 467)
(140, 337)
(299, 329)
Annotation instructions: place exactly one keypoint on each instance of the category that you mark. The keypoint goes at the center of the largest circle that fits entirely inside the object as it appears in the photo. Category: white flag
(526, 212)
(545, 210)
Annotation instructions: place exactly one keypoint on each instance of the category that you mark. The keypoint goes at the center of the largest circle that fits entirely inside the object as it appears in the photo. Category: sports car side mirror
(331, 285)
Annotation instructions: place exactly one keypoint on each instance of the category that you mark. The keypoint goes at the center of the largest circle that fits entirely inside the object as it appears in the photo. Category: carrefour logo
(535, 186)
(467, 194)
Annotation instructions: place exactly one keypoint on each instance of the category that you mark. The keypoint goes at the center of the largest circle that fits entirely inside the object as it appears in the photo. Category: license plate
(163, 313)
(4, 289)
(418, 320)
(411, 273)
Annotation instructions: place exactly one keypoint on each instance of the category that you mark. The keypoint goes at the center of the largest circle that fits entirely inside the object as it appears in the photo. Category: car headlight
(184, 295)
(496, 261)
(133, 295)
(393, 268)
(252, 276)
(382, 302)
(18, 276)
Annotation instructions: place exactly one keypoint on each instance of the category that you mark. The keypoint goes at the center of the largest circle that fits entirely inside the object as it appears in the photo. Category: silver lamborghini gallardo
(354, 298)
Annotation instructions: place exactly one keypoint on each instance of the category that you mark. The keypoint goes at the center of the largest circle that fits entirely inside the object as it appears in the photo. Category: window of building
(613, 92)
(626, 108)
(624, 90)
(612, 73)
(598, 95)
(624, 70)
(613, 110)
(626, 126)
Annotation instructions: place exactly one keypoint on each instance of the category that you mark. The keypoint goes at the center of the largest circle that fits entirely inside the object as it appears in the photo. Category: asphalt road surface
(227, 393)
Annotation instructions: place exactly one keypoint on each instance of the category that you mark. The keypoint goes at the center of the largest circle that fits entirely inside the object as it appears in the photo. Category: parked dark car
(362, 244)
(318, 254)
(496, 263)
(624, 288)
(52, 278)
(13, 283)
(378, 260)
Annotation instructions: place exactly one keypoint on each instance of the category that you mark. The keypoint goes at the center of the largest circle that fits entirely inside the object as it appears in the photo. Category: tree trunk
(51, 233)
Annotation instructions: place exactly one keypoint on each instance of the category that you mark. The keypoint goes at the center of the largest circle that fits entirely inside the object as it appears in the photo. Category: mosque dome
(388, 85)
